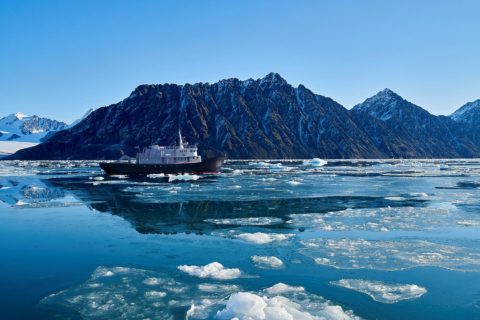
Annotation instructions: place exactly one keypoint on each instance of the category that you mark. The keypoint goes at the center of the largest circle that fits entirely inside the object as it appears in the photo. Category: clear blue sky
(59, 58)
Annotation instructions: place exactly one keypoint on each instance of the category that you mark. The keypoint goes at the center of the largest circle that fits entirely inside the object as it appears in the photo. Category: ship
(177, 159)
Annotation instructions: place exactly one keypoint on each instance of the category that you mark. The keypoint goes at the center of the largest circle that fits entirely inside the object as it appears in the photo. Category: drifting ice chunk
(315, 162)
(282, 288)
(183, 177)
(382, 292)
(264, 238)
(212, 270)
(155, 175)
(267, 262)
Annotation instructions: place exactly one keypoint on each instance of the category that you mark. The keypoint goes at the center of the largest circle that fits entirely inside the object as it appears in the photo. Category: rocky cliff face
(263, 118)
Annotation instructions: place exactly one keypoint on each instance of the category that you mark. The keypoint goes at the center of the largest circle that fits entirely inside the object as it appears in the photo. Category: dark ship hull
(209, 165)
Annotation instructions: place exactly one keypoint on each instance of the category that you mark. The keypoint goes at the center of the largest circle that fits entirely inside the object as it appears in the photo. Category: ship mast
(180, 141)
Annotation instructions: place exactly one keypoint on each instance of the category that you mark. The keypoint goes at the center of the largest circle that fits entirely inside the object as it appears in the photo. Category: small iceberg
(315, 162)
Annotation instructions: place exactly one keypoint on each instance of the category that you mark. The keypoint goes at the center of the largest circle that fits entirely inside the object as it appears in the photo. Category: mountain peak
(468, 113)
(20, 115)
(387, 104)
(383, 99)
(274, 78)
(387, 94)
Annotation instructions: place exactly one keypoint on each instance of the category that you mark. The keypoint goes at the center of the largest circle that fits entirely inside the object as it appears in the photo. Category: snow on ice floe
(383, 292)
(267, 262)
(250, 221)
(214, 270)
(377, 219)
(264, 238)
(281, 302)
(390, 254)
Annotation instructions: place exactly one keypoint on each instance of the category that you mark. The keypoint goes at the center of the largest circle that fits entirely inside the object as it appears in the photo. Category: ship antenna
(180, 141)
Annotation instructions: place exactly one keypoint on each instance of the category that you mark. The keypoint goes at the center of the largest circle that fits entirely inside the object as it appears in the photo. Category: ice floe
(250, 221)
(264, 238)
(390, 254)
(132, 293)
(214, 270)
(377, 219)
(267, 262)
(383, 292)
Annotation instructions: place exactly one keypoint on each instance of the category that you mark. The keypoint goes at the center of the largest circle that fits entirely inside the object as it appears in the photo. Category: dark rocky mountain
(402, 129)
(263, 118)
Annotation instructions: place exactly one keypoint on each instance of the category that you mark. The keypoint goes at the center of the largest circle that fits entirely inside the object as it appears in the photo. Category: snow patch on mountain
(74, 123)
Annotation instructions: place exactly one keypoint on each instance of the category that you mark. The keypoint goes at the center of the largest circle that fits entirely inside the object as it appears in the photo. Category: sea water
(356, 239)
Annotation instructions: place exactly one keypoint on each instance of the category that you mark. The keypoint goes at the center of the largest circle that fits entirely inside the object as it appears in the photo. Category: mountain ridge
(259, 118)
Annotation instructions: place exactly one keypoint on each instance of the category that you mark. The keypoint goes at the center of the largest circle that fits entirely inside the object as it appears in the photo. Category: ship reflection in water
(370, 239)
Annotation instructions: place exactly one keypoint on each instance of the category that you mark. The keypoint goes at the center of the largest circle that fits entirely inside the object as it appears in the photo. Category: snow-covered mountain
(19, 131)
(22, 128)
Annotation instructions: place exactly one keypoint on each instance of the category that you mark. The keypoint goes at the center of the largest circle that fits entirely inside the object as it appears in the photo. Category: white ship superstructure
(181, 154)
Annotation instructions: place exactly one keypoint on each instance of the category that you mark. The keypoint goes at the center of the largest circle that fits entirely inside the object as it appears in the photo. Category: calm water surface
(349, 239)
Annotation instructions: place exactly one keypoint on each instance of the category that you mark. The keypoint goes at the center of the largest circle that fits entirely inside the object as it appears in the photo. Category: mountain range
(19, 131)
(265, 118)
